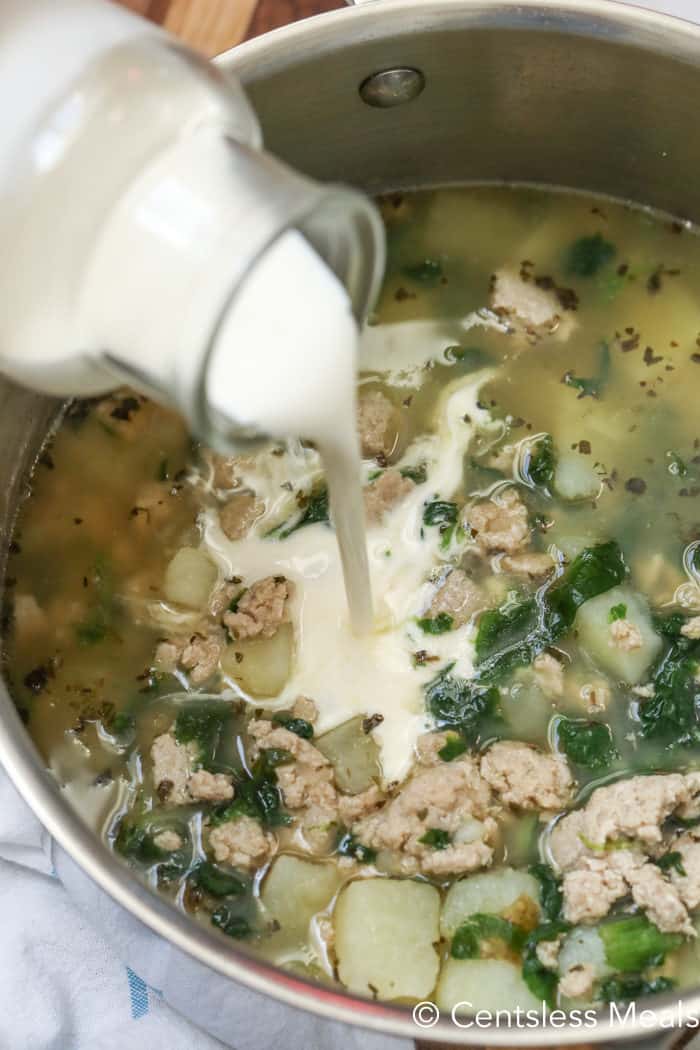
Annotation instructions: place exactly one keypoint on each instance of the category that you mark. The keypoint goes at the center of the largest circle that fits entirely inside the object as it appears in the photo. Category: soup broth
(493, 797)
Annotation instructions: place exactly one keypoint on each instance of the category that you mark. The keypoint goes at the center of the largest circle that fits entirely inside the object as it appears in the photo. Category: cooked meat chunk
(354, 807)
(378, 422)
(454, 799)
(527, 778)
(656, 894)
(628, 809)
(238, 516)
(172, 767)
(427, 747)
(577, 982)
(385, 493)
(625, 635)
(199, 654)
(167, 840)
(242, 843)
(307, 784)
(499, 523)
(549, 675)
(459, 597)
(631, 813)
(226, 470)
(175, 778)
(532, 308)
(547, 953)
(261, 610)
(204, 786)
(222, 596)
(688, 885)
(691, 629)
(532, 564)
(305, 708)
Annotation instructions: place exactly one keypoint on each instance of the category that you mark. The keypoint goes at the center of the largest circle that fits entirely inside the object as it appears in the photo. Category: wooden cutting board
(212, 26)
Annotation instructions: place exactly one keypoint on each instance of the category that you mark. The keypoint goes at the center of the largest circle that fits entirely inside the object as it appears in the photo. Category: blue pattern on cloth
(138, 993)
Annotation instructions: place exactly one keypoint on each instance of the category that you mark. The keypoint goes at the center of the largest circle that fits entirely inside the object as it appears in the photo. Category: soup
(493, 797)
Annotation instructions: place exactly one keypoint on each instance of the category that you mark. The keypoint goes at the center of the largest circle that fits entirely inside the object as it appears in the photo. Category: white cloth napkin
(79, 973)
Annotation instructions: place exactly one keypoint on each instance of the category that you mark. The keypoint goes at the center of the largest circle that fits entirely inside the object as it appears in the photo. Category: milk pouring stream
(148, 239)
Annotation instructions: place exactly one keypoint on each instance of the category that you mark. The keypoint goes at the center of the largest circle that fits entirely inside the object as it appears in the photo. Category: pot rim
(600, 19)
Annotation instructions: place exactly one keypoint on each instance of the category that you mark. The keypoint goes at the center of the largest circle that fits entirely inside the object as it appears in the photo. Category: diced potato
(353, 754)
(483, 984)
(385, 931)
(527, 710)
(594, 634)
(295, 890)
(490, 892)
(583, 945)
(261, 665)
(575, 477)
(189, 578)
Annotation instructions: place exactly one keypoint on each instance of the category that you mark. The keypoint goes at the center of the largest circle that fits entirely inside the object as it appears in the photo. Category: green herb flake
(202, 725)
(539, 462)
(436, 838)
(235, 601)
(439, 624)
(617, 612)
(588, 255)
(440, 512)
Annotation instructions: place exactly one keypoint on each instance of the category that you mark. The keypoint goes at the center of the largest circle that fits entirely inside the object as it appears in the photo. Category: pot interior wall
(509, 95)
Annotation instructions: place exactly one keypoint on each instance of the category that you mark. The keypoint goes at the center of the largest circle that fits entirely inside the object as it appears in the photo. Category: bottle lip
(344, 227)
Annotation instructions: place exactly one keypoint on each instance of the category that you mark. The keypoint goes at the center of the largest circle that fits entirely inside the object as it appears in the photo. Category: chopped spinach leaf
(417, 474)
(136, 844)
(99, 619)
(349, 846)
(439, 624)
(217, 882)
(587, 744)
(513, 635)
(235, 601)
(233, 925)
(676, 465)
(440, 512)
(454, 746)
(461, 704)
(632, 943)
(671, 714)
(437, 838)
(258, 795)
(202, 725)
(538, 463)
(588, 255)
(631, 987)
(479, 927)
(551, 896)
(672, 860)
(316, 511)
(427, 271)
(541, 981)
(299, 726)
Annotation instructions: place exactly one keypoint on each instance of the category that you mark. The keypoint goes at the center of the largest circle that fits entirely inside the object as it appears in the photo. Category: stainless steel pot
(583, 93)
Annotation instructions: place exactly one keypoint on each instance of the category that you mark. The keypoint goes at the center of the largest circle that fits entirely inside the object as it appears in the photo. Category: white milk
(288, 367)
